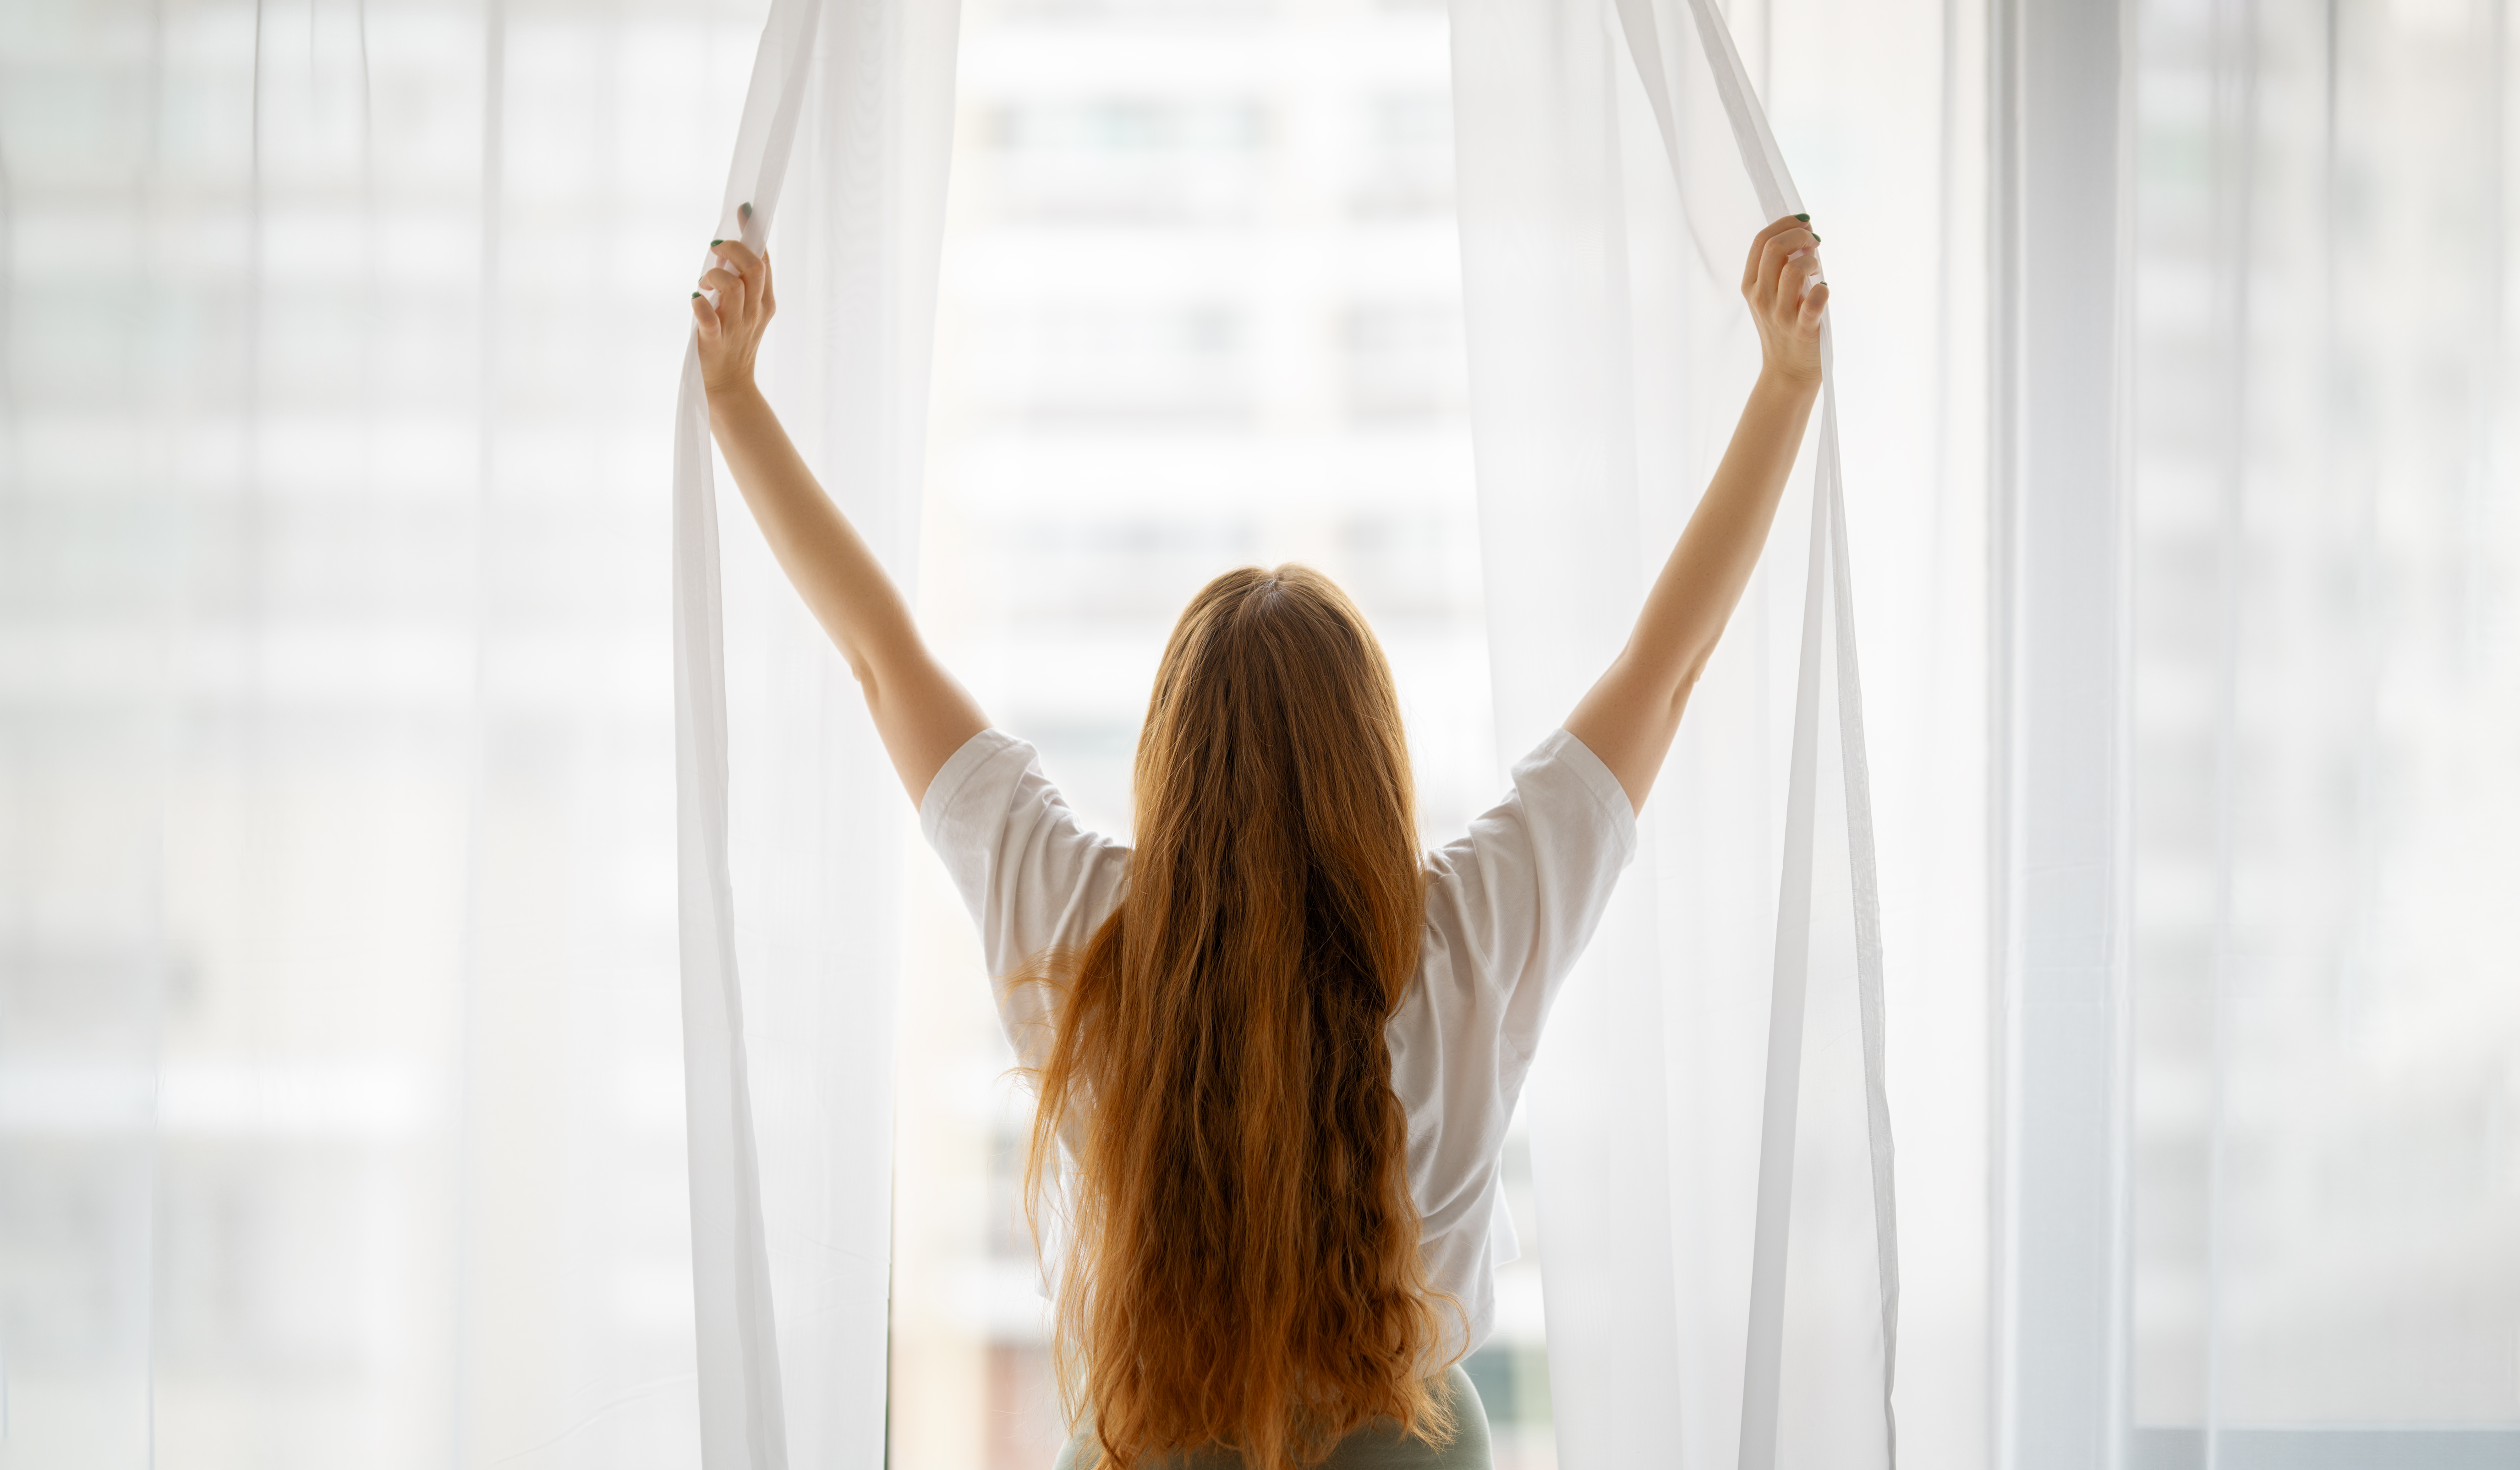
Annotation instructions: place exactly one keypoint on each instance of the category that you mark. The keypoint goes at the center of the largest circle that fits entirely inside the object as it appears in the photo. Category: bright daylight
(1475, 735)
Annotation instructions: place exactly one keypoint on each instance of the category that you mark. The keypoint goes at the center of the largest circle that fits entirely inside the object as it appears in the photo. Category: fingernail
(1814, 236)
(714, 244)
(1805, 218)
(696, 295)
(743, 211)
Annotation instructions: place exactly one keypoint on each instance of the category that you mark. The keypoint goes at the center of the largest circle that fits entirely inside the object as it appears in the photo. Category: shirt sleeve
(1032, 876)
(1523, 890)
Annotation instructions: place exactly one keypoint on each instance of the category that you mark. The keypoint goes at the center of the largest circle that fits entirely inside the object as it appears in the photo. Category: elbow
(1665, 674)
(1690, 673)
(862, 669)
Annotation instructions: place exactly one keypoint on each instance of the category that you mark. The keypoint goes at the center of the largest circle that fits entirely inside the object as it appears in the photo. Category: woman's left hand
(1784, 258)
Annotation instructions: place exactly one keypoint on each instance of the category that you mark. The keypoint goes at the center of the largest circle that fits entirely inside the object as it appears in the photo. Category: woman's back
(1507, 908)
(1278, 1047)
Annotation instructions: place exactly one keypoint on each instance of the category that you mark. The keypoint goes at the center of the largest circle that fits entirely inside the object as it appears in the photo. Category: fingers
(740, 280)
(1750, 269)
(1787, 299)
(1814, 305)
(754, 270)
(1783, 256)
(1785, 287)
(731, 293)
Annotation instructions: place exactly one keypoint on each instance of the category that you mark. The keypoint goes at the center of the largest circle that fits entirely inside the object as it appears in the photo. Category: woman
(1276, 1047)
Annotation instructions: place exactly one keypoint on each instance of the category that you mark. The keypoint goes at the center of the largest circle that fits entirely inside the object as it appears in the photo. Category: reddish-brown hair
(1242, 1264)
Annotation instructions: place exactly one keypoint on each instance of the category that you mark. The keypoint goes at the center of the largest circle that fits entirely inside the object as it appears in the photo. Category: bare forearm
(1632, 714)
(923, 715)
(844, 584)
(1702, 581)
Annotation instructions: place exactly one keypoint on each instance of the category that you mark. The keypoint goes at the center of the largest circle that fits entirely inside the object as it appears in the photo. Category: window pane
(2327, 696)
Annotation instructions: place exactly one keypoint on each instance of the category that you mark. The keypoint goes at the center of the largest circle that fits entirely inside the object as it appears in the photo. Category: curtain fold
(1550, 402)
(852, 100)
(1710, 1110)
(340, 1073)
(2323, 647)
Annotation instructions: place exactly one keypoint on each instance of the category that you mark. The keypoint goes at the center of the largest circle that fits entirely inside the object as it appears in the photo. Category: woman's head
(1273, 717)
(1243, 1266)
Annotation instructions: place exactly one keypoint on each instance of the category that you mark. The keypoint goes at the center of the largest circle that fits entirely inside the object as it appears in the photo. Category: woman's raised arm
(922, 713)
(1630, 716)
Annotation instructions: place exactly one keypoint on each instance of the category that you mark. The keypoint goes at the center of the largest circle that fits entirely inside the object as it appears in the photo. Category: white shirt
(1509, 909)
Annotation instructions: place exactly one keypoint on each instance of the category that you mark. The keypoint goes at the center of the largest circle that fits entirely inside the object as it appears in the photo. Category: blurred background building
(2325, 681)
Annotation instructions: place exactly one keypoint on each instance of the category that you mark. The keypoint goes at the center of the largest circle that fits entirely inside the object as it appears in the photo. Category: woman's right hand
(731, 330)
(1782, 258)
(1630, 716)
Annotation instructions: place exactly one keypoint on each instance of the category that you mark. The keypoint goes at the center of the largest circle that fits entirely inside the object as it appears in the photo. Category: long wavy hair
(1240, 1265)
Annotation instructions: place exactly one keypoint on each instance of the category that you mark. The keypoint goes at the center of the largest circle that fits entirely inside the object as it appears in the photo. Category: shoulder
(1566, 817)
(1513, 902)
(1033, 877)
(1566, 788)
(976, 783)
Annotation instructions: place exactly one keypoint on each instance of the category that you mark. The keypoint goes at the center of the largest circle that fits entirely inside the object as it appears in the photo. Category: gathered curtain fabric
(341, 1064)
(789, 1041)
(1711, 1149)
(2323, 685)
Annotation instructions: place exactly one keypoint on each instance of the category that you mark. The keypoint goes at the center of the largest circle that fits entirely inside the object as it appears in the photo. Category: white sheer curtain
(792, 891)
(340, 1101)
(1609, 355)
(2325, 708)
(2260, 1183)
(341, 1112)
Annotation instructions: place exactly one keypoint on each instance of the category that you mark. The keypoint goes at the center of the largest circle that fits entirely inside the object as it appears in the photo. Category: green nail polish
(1814, 236)
(696, 295)
(743, 211)
(1805, 218)
(714, 244)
